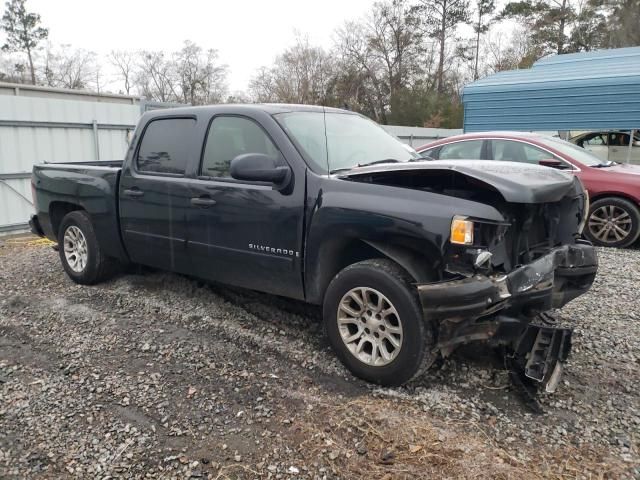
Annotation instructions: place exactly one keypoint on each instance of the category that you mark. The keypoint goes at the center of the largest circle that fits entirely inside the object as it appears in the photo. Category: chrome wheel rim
(610, 224)
(370, 326)
(75, 249)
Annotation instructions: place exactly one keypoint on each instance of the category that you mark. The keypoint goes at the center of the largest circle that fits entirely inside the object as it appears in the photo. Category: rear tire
(80, 253)
(374, 322)
(613, 222)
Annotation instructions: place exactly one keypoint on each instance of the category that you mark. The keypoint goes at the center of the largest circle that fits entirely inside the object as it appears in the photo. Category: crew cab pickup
(409, 258)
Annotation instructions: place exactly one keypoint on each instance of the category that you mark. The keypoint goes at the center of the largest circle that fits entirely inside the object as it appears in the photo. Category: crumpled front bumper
(548, 282)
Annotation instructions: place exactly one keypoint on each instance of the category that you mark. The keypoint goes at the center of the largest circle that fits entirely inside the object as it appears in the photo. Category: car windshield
(574, 152)
(341, 141)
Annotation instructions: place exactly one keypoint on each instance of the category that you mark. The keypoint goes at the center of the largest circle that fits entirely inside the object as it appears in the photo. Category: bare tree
(386, 48)
(155, 77)
(124, 62)
(301, 74)
(66, 67)
(202, 80)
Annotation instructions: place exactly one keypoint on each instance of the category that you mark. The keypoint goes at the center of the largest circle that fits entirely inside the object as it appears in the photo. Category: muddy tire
(80, 253)
(613, 222)
(374, 322)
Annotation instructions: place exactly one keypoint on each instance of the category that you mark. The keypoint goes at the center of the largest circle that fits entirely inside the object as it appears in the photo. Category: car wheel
(374, 322)
(80, 253)
(613, 222)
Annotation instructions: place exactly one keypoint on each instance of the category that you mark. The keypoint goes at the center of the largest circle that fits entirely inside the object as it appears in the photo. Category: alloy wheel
(610, 224)
(370, 326)
(75, 249)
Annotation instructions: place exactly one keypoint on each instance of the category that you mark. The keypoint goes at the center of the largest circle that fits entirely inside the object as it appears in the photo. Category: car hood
(516, 182)
(625, 168)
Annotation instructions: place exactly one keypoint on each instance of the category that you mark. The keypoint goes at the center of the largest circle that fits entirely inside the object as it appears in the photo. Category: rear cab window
(164, 148)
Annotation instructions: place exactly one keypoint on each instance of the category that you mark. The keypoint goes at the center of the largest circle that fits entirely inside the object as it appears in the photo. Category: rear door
(246, 233)
(155, 195)
(517, 151)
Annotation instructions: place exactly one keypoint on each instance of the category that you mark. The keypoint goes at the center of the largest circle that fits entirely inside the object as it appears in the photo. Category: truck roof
(270, 108)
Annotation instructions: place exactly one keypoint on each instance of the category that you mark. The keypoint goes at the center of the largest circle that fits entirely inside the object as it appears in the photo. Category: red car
(614, 188)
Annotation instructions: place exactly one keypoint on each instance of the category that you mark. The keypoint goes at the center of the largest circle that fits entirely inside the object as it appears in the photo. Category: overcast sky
(247, 33)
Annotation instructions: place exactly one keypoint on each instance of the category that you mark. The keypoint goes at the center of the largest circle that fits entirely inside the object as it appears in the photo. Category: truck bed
(91, 185)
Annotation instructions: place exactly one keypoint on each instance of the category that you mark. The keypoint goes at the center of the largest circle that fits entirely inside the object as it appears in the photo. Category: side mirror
(553, 163)
(258, 167)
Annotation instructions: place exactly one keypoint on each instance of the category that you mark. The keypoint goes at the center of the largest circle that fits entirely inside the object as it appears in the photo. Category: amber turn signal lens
(461, 231)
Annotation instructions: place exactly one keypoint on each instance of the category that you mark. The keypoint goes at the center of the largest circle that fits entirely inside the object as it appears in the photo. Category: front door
(597, 143)
(155, 195)
(245, 233)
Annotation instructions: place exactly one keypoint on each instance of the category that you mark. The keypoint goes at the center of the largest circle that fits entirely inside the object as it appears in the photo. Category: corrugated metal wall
(578, 91)
(50, 125)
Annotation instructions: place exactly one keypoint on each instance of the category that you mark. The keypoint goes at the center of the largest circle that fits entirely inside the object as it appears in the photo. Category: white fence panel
(39, 125)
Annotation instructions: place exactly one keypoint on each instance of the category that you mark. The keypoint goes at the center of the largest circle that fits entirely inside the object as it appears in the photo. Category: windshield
(348, 140)
(574, 152)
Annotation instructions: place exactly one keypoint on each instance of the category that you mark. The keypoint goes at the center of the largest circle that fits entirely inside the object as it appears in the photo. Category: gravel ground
(153, 375)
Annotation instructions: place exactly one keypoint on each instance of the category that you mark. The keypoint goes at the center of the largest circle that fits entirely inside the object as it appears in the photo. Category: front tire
(375, 324)
(80, 253)
(613, 222)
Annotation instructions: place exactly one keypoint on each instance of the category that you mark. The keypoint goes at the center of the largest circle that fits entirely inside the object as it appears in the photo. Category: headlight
(461, 231)
(583, 222)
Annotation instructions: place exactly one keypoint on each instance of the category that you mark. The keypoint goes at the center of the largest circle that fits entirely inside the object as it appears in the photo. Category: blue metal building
(578, 91)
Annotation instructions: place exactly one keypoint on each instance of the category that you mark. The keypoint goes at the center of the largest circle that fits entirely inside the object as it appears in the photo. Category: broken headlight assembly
(472, 242)
(461, 231)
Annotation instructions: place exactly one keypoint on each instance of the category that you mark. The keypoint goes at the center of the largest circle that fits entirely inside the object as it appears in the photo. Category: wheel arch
(622, 195)
(337, 254)
(58, 210)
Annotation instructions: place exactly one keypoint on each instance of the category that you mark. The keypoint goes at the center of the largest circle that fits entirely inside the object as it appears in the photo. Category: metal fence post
(631, 135)
(96, 140)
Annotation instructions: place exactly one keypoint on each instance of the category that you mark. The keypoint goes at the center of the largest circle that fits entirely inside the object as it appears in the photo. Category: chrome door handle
(134, 192)
(202, 202)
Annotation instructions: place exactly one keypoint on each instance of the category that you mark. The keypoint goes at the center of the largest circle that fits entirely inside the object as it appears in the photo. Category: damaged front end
(505, 309)
(499, 286)
(499, 277)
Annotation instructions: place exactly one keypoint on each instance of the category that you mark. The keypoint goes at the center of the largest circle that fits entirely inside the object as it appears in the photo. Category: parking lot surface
(154, 375)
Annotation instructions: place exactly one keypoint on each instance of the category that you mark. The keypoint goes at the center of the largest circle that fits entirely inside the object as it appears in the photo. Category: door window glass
(512, 151)
(470, 150)
(618, 139)
(595, 140)
(431, 153)
(165, 145)
(229, 137)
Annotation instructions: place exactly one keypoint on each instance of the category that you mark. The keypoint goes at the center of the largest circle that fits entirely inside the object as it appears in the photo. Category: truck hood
(516, 182)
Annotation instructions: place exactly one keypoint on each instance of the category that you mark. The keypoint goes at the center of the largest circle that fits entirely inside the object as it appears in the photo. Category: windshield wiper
(346, 169)
(604, 164)
(386, 160)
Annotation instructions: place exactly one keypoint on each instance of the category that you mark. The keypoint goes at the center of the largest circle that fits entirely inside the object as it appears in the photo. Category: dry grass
(405, 442)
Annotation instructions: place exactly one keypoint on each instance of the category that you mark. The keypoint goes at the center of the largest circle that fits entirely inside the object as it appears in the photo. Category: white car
(613, 146)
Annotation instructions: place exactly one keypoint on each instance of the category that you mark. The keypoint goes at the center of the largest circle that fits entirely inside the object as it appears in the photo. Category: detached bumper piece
(541, 351)
(548, 282)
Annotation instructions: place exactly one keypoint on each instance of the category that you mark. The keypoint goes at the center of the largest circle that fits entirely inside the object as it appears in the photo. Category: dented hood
(516, 182)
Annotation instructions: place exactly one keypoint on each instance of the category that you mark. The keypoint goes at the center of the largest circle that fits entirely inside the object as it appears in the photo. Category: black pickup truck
(409, 258)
